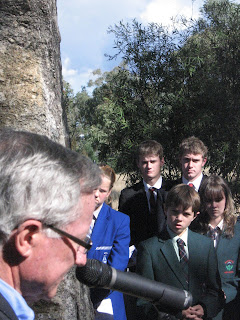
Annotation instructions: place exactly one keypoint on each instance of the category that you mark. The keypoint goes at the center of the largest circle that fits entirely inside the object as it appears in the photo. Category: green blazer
(228, 250)
(157, 260)
(228, 262)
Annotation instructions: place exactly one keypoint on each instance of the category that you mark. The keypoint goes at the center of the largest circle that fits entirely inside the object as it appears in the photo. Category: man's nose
(81, 259)
(96, 193)
(190, 163)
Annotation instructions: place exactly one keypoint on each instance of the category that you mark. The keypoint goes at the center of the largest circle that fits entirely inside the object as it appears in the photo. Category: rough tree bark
(30, 68)
(30, 99)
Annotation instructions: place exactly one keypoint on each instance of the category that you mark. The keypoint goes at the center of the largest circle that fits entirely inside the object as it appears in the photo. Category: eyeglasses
(86, 243)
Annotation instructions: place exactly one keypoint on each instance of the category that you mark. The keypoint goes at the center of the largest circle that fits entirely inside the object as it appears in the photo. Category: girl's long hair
(213, 188)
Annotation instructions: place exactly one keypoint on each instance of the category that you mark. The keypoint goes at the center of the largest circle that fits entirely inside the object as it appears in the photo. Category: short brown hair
(193, 145)
(184, 196)
(150, 147)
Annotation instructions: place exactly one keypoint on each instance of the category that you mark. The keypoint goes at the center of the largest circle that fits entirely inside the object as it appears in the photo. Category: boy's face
(150, 167)
(178, 219)
(192, 165)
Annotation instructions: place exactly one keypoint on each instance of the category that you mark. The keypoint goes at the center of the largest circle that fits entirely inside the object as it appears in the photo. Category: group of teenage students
(196, 209)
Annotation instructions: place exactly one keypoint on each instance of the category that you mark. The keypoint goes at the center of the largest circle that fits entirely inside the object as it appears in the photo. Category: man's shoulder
(150, 242)
(171, 183)
(199, 238)
(114, 214)
(133, 188)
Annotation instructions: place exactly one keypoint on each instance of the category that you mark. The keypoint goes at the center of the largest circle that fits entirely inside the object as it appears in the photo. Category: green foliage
(171, 84)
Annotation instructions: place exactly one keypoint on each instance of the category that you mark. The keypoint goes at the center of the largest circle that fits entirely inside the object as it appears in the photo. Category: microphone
(98, 274)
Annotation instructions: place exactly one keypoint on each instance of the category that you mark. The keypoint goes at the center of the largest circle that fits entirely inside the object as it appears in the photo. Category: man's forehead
(192, 156)
(148, 157)
(180, 209)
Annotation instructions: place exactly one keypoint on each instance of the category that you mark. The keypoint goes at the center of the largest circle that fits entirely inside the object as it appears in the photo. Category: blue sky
(83, 27)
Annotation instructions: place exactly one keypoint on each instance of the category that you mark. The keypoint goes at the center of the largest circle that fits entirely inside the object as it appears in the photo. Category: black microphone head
(94, 273)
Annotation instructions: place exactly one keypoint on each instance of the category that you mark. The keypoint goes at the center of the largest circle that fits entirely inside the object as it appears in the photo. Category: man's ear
(204, 161)
(162, 162)
(26, 236)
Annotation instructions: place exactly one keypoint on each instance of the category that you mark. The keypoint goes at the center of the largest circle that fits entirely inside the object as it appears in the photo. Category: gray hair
(41, 180)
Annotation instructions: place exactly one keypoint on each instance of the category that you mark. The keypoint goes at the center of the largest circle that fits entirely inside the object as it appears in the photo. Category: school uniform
(157, 260)
(135, 203)
(197, 184)
(111, 237)
(228, 250)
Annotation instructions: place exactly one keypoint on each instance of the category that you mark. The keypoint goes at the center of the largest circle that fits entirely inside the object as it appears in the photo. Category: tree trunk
(30, 68)
(30, 99)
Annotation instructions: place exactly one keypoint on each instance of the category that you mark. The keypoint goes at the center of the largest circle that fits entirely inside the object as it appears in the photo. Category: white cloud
(76, 78)
(65, 69)
(83, 25)
(160, 11)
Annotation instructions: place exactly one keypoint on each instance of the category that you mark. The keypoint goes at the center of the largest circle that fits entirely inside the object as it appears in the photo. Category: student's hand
(195, 312)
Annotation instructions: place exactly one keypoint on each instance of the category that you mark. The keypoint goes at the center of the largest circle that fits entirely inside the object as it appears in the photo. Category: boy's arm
(144, 268)
(119, 254)
(145, 309)
(118, 257)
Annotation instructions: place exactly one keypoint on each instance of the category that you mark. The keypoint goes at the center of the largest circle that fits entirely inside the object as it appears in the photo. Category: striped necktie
(183, 257)
(213, 233)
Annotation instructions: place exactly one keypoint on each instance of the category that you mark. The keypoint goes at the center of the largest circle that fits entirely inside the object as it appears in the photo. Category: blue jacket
(111, 238)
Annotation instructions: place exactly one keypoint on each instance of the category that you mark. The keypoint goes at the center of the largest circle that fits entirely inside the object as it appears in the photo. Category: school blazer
(133, 201)
(6, 311)
(228, 250)
(157, 260)
(111, 237)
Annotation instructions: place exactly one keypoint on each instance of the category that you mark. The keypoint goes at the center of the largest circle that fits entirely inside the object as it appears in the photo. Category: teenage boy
(191, 267)
(192, 157)
(143, 201)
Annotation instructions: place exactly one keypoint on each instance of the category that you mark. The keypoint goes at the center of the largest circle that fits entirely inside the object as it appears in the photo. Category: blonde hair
(192, 145)
(109, 173)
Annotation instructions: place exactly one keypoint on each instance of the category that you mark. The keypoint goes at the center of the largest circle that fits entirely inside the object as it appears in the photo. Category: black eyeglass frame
(84, 244)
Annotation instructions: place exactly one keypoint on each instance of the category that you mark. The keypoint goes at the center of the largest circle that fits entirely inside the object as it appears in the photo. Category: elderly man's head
(43, 186)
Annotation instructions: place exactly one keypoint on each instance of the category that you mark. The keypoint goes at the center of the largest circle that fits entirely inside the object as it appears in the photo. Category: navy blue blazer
(157, 260)
(6, 311)
(111, 238)
(133, 201)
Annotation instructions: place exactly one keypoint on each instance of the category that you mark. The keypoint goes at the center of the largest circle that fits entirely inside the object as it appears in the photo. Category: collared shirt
(16, 301)
(220, 227)
(196, 182)
(175, 237)
(157, 185)
(95, 216)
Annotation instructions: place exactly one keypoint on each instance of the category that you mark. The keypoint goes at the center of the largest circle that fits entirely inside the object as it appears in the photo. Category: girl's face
(215, 207)
(103, 192)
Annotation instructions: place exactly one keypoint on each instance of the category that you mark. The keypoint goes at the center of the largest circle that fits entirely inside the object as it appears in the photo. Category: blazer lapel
(194, 254)
(169, 253)
(161, 218)
(100, 226)
(141, 195)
